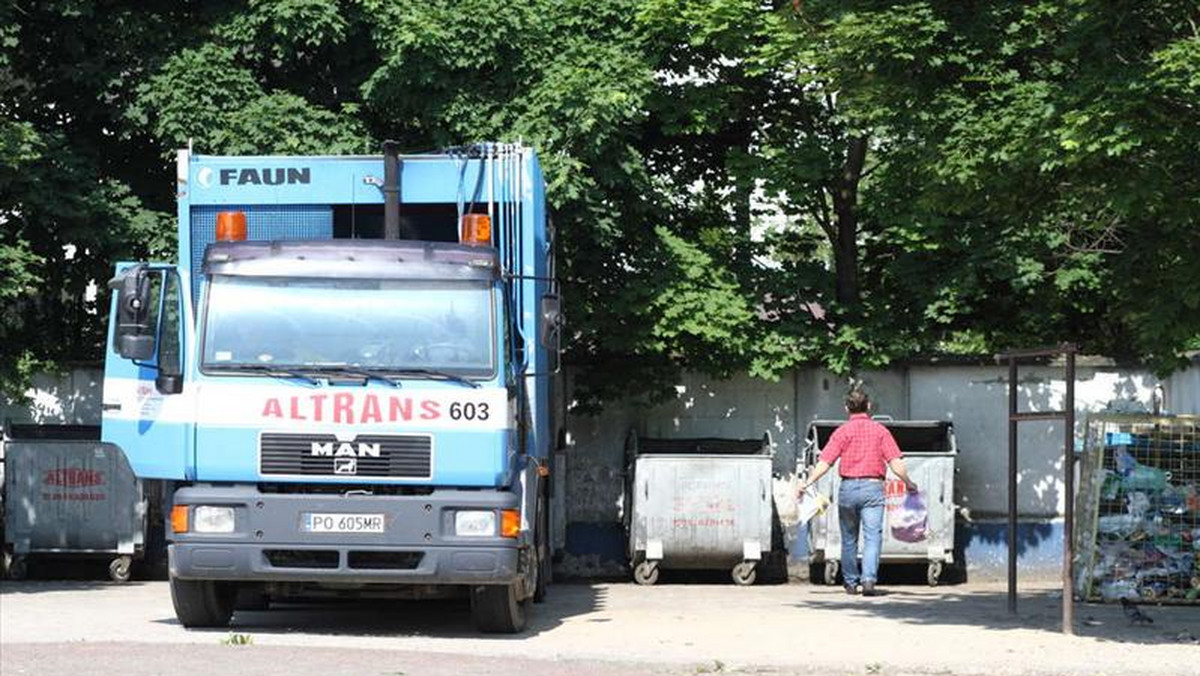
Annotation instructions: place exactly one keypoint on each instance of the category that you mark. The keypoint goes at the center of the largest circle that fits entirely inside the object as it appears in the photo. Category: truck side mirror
(552, 320)
(134, 334)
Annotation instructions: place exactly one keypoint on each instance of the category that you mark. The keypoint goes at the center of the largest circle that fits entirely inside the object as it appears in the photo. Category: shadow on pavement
(42, 586)
(988, 609)
(441, 618)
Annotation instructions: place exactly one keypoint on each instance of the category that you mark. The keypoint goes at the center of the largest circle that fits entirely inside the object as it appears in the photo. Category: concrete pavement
(80, 628)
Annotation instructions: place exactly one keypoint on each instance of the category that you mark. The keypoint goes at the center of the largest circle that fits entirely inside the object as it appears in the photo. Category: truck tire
(496, 610)
(203, 603)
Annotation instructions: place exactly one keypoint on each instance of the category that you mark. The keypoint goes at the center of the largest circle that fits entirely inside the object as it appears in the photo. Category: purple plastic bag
(910, 519)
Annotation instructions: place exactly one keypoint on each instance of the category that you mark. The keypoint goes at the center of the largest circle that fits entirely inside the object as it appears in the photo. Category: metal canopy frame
(1067, 415)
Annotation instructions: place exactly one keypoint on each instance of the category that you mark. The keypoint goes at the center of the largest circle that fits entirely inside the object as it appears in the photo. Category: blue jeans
(861, 502)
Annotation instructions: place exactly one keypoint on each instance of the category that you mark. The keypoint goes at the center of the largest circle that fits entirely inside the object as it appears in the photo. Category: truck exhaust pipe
(391, 190)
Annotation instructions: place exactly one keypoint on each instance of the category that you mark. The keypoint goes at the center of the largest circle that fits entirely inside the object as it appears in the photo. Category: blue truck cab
(344, 384)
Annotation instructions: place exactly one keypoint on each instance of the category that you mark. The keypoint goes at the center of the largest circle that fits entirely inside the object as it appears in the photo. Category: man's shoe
(851, 589)
(869, 589)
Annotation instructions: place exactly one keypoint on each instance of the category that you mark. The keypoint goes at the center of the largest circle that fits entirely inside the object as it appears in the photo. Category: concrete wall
(1183, 390)
(974, 398)
(72, 398)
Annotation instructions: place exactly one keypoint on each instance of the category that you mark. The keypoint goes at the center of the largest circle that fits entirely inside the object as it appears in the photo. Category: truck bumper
(418, 545)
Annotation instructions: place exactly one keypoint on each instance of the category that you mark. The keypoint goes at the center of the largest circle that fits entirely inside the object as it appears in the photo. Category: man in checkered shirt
(866, 450)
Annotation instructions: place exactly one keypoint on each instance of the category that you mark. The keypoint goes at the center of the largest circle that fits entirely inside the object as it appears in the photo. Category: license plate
(316, 522)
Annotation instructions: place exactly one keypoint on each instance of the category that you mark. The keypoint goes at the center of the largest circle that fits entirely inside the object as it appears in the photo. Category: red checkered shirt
(864, 446)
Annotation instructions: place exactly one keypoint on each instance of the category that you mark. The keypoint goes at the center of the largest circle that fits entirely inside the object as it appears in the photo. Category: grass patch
(238, 639)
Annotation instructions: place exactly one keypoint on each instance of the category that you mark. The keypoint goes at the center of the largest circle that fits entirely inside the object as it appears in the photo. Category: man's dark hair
(857, 401)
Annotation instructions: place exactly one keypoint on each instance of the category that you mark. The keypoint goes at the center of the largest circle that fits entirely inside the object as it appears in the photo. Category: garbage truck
(343, 385)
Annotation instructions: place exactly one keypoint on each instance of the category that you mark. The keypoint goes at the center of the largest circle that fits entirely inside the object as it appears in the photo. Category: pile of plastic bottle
(1148, 531)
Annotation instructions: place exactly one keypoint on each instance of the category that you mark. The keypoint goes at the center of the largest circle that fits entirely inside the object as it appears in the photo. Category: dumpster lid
(701, 446)
(23, 431)
(912, 436)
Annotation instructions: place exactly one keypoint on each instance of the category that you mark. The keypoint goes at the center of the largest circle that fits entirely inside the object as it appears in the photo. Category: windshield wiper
(434, 375)
(381, 375)
(266, 369)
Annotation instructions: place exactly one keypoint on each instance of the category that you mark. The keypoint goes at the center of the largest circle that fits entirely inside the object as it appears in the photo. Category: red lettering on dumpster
(894, 492)
(73, 477)
(83, 497)
(703, 523)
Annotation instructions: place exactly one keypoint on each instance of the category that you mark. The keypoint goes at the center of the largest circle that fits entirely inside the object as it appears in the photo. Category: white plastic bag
(812, 503)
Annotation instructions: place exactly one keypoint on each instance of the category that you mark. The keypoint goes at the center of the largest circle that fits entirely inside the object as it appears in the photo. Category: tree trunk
(845, 207)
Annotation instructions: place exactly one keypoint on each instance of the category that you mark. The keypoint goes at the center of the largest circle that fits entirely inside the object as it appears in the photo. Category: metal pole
(1012, 485)
(1068, 610)
(391, 190)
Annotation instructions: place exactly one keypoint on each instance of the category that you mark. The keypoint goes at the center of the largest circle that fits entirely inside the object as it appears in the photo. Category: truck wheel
(203, 603)
(496, 610)
(745, 573)
(120, 568)
(646, 573)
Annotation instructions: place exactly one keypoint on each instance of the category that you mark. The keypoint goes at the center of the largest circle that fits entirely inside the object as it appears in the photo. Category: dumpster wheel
(120, 568)
(646, 573)
(933, 573)
(15, 566)
(745, 573)
(831, 571)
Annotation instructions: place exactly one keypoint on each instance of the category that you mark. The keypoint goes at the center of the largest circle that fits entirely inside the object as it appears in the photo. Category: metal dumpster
(929, 453)
(698, 504)
(77, 498)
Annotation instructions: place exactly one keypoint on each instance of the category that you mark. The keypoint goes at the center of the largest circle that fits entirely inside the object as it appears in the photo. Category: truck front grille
(301, 558)
(368, 455)
(384, 560)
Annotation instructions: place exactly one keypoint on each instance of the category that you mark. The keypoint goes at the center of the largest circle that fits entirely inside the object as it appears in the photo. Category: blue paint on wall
(984, 547)
(982, 544)
(1039, 549)
(605, 539)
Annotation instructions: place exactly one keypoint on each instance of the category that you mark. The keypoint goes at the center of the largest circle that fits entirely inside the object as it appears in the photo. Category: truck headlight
(209, 519)
(475, 523)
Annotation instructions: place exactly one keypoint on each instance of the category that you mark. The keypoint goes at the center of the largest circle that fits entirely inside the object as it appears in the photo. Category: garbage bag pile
(1148, 531)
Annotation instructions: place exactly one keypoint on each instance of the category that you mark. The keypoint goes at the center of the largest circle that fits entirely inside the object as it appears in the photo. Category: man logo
(345, 449)
(345, 466)
(204, 177)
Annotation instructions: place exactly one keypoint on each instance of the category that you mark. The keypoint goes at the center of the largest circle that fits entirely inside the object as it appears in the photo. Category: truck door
(147, 409)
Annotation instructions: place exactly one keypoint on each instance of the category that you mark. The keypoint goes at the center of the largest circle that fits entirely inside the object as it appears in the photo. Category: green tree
(736, 185)
(986, 175)
(1032, 162)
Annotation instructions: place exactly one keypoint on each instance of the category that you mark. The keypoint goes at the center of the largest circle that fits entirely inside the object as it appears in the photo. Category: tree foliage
(736, 185)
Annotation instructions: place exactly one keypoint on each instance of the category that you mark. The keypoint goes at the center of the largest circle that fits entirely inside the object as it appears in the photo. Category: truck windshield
(368, 324)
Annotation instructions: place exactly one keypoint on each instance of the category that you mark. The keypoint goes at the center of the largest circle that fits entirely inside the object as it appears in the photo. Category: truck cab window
(385, 325)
